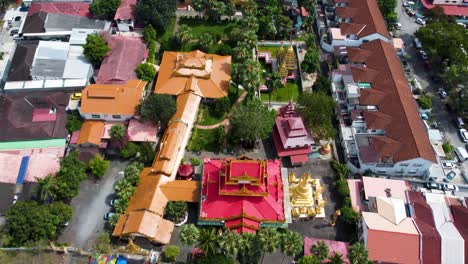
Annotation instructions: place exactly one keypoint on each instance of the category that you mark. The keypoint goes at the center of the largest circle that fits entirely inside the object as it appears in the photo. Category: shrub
(222, 106)
(74, 122)
(171, 253)
(151, 52)
(146, 72)
(194, 161)
(342, 187)
(149, 34)
(341, 170)
(448, 148)
(175, 211)
(425, 102)
(129, 150)
(348, 215)
(98, 166)
(417, 91)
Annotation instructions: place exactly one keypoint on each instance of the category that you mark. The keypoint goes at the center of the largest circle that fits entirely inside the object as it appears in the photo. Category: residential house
(111, 102)
(380, 127)
(360, 21)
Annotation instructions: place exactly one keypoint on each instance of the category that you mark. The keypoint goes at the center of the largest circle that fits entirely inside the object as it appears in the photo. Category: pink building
(290, 135)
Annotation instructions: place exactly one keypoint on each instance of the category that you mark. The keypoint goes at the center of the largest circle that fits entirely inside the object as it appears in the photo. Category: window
(381, 172)
(417, 165)
(116, 117)
(404, 164)
(95, 116)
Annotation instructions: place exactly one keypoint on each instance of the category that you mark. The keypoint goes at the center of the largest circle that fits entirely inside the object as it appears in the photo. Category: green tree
(124, 189)
(157, 107)
(222, 106)
(121, 205)
(208, 241)
(269, 239)
(117, 132)
(112, 221)
(309, 260)
(218, 259)
(348, 215)
(146, 72)
(250, 250)
(230, 243)
(215, 10)
(45, 187)
(129, 150)
(357, 254)
(322, 84)
(171, 253)
(311, 62)
(251, 121)
(132, 173)
(104, 9)
(98, 166)
(247, 74)
(175, 211)
(149, 34)
(184, 35)
(336, 258)
(206, 41)
(291, 244)
(320, 250)
(386, 6)
(189, 235)
(448, 148)
(317, 109)
(95, 48)
(284, 25)
(425, 102)
(29, 222)
(156, 12)
(103, 244)
(147, 153)
(67, 180)
(274, 81)
(74, 122)
(436, 14)
(341, 170)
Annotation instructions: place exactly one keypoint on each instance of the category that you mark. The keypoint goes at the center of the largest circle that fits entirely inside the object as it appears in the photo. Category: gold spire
(301, 193)
(290, 59)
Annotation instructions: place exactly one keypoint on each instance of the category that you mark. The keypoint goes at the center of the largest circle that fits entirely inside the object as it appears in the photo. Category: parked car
(448, 165)
(398, 25)
(417, 43)
(108, 215)
(450, 187)
(410, 11)
(14, 32)
(112, 202)
(423, 55)
(15, 199)
(442, 93)
(459, 122)
(433, 185)
(463, 134)
(408, 3)
(420, 21)
(450, 176)
(76, 96)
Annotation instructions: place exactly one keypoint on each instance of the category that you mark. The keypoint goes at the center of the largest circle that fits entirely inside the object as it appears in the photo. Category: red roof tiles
(125, 10)
(68, 8)
(392, 97)
(364, 12)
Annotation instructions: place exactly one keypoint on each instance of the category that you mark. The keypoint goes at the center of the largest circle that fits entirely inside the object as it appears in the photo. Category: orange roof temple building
(190, 76)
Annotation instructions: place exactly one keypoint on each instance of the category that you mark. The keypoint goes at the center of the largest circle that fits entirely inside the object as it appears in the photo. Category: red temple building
(290, 135)
(242, 194)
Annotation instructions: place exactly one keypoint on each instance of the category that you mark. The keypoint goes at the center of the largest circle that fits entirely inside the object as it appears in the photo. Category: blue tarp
(122, 260)
(22, 170)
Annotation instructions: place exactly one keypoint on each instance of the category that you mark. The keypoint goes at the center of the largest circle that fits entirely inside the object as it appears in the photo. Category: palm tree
(250, 249)
(291, 244)
(124, 189)
(269, 239)
(273, 82)
(184, 34)
(208, 241)
(230, 243)
(46, 187)
(357, 254)
(117, 132)
(320, 250)
(336, 258)
(189, 234)
(121, 206)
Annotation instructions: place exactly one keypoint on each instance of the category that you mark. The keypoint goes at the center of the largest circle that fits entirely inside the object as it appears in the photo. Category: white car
(463, 134)
(398, 25)
(421, 21)
(108, 215)
(423, 55)
(450, 187)
(448, 165)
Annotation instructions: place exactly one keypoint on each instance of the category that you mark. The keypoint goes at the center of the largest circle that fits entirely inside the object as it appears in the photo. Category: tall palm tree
(269, 239)
(336, 258)
(117, 132)
(121, 206)
(358, 254)
(230, 243)
(208, 241)
(184, 34)
(124, 189)
(189, 235)
(320, 250)
(291, 244)
(250, 249)
(46, 187)
(273, 82)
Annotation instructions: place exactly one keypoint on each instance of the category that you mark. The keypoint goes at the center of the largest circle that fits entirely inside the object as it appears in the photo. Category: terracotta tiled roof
(113, 99)
(351, 28)
(91, 132)
(364, 74)
(357, 54)
(66, 8)
(144, 223)
(207, 73)
(384, 72)
(181, 190)
(148, 196)
(126, 10)
(377, 120)
(365, 12)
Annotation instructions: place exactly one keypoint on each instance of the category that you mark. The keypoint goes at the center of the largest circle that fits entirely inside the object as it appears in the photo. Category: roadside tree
(95, 48)
(98, 166)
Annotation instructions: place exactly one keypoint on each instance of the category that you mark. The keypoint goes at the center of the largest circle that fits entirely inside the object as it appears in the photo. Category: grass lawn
(272, 49)
(168, 33)
(200, 26)
(291, 89)
(204, 139)
(206, 117)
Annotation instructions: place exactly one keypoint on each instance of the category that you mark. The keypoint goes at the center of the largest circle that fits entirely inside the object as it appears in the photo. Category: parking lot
(90, 206)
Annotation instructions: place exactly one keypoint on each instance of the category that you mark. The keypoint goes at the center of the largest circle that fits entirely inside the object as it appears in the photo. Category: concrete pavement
(90, 206)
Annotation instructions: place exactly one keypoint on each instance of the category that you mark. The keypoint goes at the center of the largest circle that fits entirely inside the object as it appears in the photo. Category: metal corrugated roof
(46, 143)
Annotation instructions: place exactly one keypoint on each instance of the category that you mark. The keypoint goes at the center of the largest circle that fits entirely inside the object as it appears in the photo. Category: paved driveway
(89, 208)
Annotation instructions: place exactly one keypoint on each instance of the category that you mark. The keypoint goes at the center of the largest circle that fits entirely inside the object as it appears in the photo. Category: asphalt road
(445, 119)
(89, 208)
